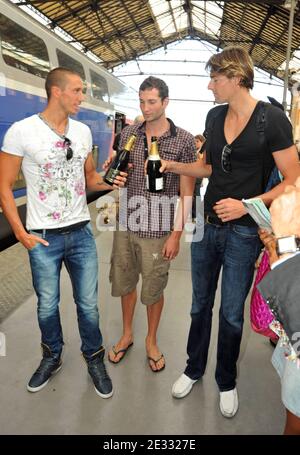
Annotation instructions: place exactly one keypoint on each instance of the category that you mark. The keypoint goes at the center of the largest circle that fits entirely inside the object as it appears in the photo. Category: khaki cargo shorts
(132, 255)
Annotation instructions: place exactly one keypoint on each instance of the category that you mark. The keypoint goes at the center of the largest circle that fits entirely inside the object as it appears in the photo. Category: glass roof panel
(169, 16)
(207, 16)
(180, 19)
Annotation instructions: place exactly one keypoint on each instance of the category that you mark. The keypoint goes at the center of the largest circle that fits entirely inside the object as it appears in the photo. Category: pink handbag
(260, 314)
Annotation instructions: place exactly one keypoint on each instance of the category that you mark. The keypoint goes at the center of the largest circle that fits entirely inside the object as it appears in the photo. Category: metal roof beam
(271, 11)
(72, 12)
(173, 19)
(284, 30)
(187, 8)
(113, 34)
(136, 25)
(262, 2)
(197, 9)
(105, 41)
(75, 13)
(79, 20)
(231, 23)
(108, 40)
(139, 60)
(118, 35)
(146, 73)
(219, 42)
(162, 41)
(242, 20)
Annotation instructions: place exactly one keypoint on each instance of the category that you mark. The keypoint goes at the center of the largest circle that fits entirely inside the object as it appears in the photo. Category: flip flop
(155, 362)
(118, 352)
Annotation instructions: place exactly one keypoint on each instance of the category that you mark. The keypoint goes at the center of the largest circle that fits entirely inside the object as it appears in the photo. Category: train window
(22, 49)
(99, 87)
(69, 62)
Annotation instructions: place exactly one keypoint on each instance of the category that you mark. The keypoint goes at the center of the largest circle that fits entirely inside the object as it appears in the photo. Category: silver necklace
(62, 136)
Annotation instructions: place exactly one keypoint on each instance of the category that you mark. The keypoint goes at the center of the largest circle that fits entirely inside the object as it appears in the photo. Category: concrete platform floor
(142, 402)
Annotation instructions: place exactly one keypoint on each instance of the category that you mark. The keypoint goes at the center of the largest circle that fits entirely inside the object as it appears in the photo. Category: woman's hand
(269, 241)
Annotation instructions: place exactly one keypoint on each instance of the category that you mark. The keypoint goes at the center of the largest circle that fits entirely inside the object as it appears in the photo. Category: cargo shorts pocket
(122, 278)
(155, 283)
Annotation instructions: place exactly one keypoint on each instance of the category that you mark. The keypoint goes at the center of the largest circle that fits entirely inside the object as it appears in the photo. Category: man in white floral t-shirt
(55, 154)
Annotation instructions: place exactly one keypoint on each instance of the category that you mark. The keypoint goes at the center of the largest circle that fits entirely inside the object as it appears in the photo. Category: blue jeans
(236, 248)
(196, 194)
(77, 250)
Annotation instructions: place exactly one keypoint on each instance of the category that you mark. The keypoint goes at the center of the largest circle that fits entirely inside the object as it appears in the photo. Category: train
(28, 51)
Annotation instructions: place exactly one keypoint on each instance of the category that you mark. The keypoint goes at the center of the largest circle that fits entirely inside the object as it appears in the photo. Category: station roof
(117, 31)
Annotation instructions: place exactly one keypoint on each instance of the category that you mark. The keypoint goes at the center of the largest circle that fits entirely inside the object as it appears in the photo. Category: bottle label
(112, 174)
(159, 183)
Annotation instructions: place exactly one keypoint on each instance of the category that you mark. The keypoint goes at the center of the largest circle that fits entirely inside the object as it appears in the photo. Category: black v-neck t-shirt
(246, 178)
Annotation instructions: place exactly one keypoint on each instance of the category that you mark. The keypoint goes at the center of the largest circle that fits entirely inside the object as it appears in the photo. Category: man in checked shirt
(147, 239)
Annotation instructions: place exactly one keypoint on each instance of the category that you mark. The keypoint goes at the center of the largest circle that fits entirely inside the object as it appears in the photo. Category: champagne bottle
(120, 162)
(154, 178)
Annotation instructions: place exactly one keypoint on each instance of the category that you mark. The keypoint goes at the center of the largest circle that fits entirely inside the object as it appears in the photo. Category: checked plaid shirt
(151, 215)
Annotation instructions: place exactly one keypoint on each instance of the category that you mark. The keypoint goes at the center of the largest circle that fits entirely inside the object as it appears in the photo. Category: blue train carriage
(28, 50)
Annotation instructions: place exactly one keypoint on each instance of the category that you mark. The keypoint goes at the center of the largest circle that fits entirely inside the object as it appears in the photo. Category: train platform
(142, 403)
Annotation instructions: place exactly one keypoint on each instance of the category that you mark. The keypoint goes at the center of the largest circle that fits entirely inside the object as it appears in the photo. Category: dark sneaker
(49, 365)
(99, 375)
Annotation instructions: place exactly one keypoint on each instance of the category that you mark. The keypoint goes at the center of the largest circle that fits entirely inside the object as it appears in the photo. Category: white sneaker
(182, 386)
(229, 403)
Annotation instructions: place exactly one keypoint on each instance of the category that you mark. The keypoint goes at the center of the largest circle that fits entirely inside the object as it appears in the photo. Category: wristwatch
(289, 244)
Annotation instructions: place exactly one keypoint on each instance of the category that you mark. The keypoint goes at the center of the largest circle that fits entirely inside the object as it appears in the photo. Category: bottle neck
(154, 157)
(130, 143)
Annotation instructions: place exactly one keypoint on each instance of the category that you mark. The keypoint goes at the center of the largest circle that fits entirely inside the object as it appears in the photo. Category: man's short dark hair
(58, 78)
(154, 82)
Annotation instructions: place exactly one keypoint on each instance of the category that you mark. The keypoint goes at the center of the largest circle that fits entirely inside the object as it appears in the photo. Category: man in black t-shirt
(117, 139)
(238, 158)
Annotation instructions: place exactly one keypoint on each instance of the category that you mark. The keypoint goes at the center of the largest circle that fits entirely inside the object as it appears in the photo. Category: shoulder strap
(271, 178)
(261, 120)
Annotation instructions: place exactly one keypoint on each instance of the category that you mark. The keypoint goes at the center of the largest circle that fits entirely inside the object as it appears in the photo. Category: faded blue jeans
(235, 248)
(77, 250)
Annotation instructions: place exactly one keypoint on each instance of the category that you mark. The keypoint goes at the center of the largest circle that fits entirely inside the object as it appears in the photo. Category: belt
(214, 220)
(64, 229)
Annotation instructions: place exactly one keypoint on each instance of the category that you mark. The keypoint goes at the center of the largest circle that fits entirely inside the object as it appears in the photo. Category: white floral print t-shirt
(56, 195)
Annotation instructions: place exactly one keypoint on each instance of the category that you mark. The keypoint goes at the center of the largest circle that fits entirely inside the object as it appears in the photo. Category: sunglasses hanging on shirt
(67, 145)
(226, 158)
